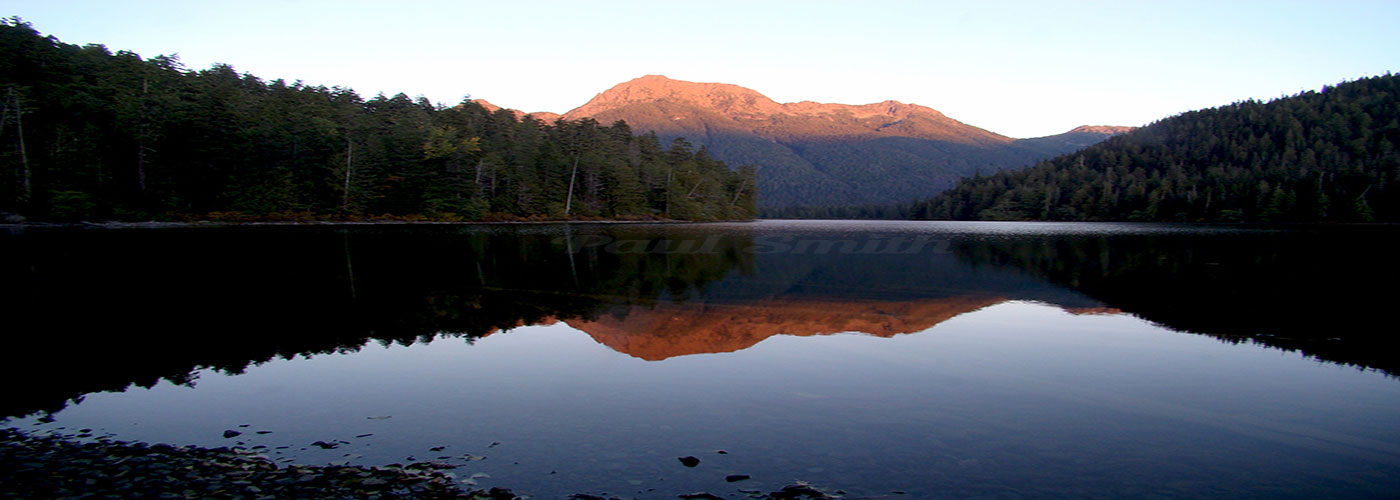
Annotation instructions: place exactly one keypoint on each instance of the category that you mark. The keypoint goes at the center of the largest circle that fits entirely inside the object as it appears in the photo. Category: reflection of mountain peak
(668, 329)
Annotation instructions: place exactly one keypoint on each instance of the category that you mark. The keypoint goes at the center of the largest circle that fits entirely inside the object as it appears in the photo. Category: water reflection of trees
(98, 310)
(1304, 289)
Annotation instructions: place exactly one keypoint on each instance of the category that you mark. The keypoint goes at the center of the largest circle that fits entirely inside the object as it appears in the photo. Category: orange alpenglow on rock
(667, 330)
(753, 112)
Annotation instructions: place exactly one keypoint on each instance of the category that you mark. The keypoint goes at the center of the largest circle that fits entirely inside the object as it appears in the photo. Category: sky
(1022, 69)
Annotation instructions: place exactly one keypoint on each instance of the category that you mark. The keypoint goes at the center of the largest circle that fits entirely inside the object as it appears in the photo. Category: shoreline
(59, 466)
(292, 223)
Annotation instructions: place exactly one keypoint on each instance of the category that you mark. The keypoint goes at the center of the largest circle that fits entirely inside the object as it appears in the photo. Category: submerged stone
(497, 493)
(701, 495)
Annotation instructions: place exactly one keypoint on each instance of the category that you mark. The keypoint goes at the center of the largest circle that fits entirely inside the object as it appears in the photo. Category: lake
(908, 359)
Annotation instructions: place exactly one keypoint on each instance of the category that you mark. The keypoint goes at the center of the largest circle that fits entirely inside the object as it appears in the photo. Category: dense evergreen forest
(91, 135)
(1317, 156)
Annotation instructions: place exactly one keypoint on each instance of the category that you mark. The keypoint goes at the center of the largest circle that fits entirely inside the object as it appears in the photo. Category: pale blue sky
(1022, 69)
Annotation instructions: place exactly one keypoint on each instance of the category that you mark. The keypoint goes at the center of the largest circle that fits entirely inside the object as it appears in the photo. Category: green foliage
(1318, 156)
(113, 136)
(70, 205)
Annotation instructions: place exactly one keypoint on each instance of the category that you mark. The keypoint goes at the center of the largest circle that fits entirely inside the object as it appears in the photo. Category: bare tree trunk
(349, 155)
(569, 240)
(476, 184)
(669, 170)
(349, 266)
(25, 175)
(737, 191)
(569, 201)
(1361, 197)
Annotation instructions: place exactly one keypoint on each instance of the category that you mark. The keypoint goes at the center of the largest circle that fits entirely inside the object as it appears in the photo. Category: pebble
(59, 467)
(701, 495)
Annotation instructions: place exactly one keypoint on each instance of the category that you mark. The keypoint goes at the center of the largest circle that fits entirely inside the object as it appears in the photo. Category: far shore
(390, 222)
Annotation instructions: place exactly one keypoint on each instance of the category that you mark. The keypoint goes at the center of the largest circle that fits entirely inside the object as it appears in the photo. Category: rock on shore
(58, 467)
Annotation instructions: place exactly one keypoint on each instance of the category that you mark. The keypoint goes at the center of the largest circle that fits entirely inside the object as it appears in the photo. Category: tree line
(1319, 156)
(894, 211)
(91, 135)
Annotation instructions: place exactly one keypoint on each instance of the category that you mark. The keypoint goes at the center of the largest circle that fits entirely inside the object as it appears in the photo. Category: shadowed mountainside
(812, 153)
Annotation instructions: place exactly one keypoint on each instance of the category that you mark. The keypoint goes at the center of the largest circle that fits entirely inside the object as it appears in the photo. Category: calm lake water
(937, 360)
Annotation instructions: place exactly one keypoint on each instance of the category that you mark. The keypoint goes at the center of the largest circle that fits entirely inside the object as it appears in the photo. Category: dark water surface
(941, 360)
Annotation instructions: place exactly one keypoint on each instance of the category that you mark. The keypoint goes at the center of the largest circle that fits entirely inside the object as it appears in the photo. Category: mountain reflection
(667, 330)
(99, 310)
(1304, 289)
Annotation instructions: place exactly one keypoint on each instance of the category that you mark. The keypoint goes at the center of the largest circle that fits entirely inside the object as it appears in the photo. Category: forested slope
(1328, 155)
(91, 135)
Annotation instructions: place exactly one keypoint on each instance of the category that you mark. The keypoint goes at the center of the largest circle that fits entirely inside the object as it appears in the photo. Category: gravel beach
(60, 467)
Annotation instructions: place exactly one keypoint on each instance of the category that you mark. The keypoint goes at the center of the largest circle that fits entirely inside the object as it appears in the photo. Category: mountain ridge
(811, 153)
(668, 330)
(543, 116)
(751, 110)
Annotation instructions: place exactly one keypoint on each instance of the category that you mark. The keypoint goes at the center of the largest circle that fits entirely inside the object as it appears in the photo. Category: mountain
(811, 153)
(1331, 155)
(543, 116)
(689, 104)
(671, 329)
(1102, 129)
(667, 330)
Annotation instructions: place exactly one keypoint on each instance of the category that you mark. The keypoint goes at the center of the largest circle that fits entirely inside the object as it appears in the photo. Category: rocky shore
(54, 467)
(59, 467)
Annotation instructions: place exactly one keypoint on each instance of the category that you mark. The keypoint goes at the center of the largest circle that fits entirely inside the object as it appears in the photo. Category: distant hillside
(812, 153)
(1318, 156)
(540, 116)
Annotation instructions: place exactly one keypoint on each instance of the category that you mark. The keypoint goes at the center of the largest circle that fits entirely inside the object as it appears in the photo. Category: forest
(1319, 156)
(89, 135)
